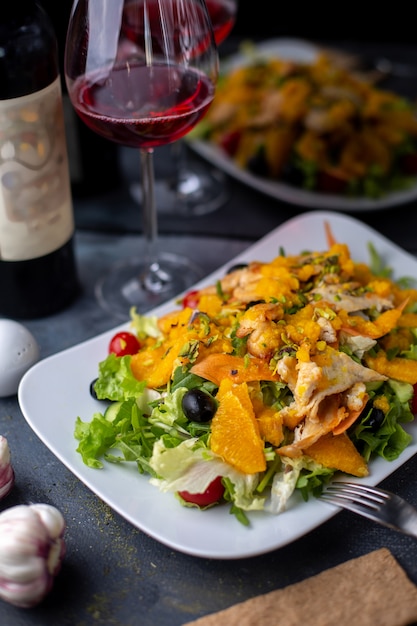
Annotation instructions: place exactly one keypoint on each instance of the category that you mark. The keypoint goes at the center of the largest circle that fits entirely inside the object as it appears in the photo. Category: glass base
(198, 192)
(132, 284)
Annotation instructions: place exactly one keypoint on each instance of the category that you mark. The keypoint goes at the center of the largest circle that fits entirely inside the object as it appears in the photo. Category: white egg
(18, 352)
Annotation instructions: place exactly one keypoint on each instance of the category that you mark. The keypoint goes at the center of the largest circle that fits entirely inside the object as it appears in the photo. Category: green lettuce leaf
(116, 381)
(389, 438)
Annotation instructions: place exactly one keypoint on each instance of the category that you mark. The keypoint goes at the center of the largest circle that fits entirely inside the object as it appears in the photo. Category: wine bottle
(38, 273)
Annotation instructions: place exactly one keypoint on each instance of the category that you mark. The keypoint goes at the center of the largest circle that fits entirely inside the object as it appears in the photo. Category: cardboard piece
(365, 591)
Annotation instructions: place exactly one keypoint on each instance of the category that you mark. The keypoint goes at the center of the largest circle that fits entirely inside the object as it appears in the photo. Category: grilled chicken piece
(324, 395)
(342, 296)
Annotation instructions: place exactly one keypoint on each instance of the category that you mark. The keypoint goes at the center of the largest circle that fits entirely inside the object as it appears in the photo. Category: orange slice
(234, 429)
(338, 452)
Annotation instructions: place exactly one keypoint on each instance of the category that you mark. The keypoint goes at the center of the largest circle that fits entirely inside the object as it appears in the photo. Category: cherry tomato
(409, 163)
(211, 495)
(414, 401)
(191, 299)
(330, 183)
(230, 142)
(124, 343)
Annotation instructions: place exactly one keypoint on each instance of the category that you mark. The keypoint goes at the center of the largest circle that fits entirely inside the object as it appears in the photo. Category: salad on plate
(273, 380)
(318, 125)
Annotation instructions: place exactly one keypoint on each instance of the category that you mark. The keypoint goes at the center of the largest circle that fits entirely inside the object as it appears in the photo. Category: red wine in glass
(142, 93)
(222, 14)
(223, 17)
(189, 192)
(168, 101)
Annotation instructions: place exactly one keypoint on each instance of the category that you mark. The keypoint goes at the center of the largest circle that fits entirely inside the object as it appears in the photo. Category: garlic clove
(54, 522)
(31, 551)
(6, 469)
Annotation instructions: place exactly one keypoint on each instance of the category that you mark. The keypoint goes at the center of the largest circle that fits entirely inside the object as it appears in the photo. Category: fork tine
(344, 502)
(358, 487)
(366, 494)
(374, 503)
(361, 499)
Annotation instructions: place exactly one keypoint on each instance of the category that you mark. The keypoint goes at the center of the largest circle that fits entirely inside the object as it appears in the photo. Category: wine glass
(142, 93)
(193, 191)
(203, 191)
(223, 16)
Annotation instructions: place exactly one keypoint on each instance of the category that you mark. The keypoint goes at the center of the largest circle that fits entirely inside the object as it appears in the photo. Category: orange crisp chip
(218, 366)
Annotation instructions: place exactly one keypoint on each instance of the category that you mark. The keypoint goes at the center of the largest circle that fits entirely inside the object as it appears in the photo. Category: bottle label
(36, 213)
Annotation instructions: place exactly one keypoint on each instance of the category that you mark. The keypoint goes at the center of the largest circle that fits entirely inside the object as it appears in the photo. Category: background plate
(297, 50)
(56, 390)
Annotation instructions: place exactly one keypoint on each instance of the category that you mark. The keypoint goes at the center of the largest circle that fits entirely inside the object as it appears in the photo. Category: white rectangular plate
(56, 390)
(305, 52)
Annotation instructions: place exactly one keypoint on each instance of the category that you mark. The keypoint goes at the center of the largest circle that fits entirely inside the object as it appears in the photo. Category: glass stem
(185, 183)
(154, 279)
(178, 156)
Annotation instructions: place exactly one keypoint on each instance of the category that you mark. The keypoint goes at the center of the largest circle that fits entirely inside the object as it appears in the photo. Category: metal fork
(376, 504)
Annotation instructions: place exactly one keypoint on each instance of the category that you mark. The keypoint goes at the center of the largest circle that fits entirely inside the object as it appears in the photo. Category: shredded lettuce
(144, 325)
(116, 381)
(192, 467)
(95, 438)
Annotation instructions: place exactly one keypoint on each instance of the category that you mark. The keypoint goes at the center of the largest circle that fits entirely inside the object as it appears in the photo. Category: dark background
(336, 21)
(359, 21)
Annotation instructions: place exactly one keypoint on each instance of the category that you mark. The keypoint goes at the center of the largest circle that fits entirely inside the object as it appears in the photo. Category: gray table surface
(113, 573)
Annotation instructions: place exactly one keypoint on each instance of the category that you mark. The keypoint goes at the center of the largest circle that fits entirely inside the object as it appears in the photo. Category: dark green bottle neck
(28, 49)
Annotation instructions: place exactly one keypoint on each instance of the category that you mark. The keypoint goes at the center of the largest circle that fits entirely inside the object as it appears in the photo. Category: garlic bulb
(31, 551)
(6, 469)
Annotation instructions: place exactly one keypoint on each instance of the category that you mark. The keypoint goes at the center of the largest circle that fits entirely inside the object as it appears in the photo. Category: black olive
(92, 390)
(198, 406)
(292, 175)
(257, 164)
(375, 419)
(253, 303)
(235, 268)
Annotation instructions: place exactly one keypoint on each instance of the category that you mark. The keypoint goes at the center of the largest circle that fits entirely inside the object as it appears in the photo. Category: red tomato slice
(191, 299)
(124, 343)
(211, 495)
